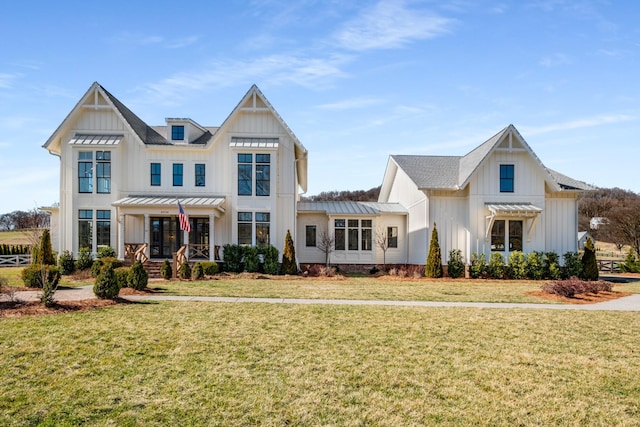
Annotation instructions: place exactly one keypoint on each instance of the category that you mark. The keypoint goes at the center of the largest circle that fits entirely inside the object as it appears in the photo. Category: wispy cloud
(7, 79)
(578, 124)
(274, 69)
(555, 60)
(154, 39)
(350, 104)
(391, 24)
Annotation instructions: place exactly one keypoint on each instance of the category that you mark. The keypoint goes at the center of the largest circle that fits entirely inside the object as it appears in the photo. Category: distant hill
(370, 195)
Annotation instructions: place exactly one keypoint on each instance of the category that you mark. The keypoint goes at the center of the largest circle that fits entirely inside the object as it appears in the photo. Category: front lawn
(14, 278)
(260, 364)
(365, 288)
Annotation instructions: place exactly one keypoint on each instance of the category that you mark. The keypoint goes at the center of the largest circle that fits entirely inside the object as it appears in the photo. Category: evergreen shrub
(184, 272)
(85, 259)
(251, 259)
(496, 268)
(198, 271)
(232, 257)
(106, 285)
(210, 268)
(138, 277)
(66, 263)
(122, 276)
(433, 267)
(478, 265)
(289, 265)
(455, 265)
(270, 264)
(517, 265)
(166, 271)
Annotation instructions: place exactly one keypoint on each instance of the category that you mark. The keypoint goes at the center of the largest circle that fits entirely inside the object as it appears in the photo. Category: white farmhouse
(121, 183)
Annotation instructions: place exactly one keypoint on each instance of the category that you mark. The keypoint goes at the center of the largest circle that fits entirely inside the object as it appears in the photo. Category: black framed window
(155, 174)
(177, 133)
(263, 174)
(262, 228)
(200, 174)
(498, 235)
(177, 174)
(245, 228)
(103, 228)
(85, 172)
(310, 234)
(353, 233)
(245, 175)
(392, 237)
(506, 178)
(339, 234)
(366, 234)
(85, 229)
(103, 171)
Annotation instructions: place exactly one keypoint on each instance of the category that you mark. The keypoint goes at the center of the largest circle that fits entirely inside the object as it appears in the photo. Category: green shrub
(478, 265)
(455, 265)
(433, 267)
(100, 263)
(210, 268)
(106, 252)
(166, 271)
(42, 253)
(270, 264)
(535, 266)
(138, 277)
(185, 271)
(106, 286)
(85, 259)
(232, 257)
(198, 271)
(517, 265)
(589, 262)
(496, 268)
(551, 266)
(122, 276)
(289, 265)
(66, 263)
(32, 276)
(631, 264)
(572, 265)
(251, 259)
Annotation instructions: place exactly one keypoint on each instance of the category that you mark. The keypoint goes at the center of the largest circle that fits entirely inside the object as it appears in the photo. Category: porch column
(212, 240)
(145, 238)
(121, 236)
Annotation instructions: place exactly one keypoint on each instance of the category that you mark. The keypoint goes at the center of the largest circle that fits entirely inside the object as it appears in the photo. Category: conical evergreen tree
(589, 262)
(289, 256)
(434, 259)
(46, 251)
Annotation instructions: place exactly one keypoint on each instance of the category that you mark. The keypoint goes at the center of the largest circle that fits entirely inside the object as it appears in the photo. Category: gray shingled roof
(453, 172)
(431, 171)
(351, 208)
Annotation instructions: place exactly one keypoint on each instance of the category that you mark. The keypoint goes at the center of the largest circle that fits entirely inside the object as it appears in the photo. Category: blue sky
(356, 81)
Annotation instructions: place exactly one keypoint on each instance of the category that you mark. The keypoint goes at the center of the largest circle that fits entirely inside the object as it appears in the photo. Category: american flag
(184, 219)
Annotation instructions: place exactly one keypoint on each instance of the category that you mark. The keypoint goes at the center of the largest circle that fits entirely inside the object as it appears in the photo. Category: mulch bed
(35, 308)
(581, 298)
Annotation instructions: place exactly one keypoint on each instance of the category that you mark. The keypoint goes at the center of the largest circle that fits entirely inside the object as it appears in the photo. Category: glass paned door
(166, 237)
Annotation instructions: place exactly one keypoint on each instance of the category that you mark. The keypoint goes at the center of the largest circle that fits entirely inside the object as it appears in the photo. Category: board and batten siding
(561, 224)
(451, 215)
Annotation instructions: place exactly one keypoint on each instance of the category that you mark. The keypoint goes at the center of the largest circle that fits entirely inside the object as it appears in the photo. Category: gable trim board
(459, 193)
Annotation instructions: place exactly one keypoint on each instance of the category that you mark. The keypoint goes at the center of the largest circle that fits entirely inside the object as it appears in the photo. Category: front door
(166, 237)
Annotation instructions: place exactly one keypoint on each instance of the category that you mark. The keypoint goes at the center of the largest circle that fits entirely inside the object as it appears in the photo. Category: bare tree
(382, 241)
(327, 244)
(624, 223)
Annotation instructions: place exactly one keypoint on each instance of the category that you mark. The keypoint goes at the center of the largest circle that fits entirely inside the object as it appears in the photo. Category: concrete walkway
(630, 303)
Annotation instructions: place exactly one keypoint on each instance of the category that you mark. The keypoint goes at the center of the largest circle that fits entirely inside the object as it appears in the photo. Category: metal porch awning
(526, 211)
(96, 140)
(171, 201)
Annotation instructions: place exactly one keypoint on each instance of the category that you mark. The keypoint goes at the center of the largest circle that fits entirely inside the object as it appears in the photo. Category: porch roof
(171, 201)
(514, 209)
(352, 208)
(80, 139)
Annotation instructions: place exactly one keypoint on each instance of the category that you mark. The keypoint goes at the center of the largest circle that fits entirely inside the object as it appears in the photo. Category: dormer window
(177, 133)
(506, 178)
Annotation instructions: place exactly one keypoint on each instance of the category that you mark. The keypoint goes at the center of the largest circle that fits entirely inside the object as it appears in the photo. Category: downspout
(295, 200)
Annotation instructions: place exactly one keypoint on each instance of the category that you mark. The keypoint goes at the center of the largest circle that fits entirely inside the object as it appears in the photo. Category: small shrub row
(251, 259)
(111, 279)
(318, 270)
(533, 266)
(574, 286)
(415, 271)
(14, 249)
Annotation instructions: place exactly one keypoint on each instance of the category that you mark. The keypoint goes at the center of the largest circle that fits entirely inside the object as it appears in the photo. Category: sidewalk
(630, 303)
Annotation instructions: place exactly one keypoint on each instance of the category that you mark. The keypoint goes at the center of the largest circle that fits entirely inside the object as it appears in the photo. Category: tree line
(21, 220)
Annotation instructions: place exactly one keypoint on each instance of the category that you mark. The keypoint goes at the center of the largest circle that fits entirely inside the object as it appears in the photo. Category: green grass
(260, 364)
(365, 288)
(14, 278)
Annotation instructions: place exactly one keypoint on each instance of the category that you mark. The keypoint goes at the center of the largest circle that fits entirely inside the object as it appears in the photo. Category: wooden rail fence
(15, 260)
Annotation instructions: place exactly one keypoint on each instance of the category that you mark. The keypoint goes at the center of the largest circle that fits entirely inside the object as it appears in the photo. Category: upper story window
(247, 170)
(200, 175)
(177, 175)
(85, 172)
(177, 133)
(156, 174)
(102, 171)
(506, 178)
